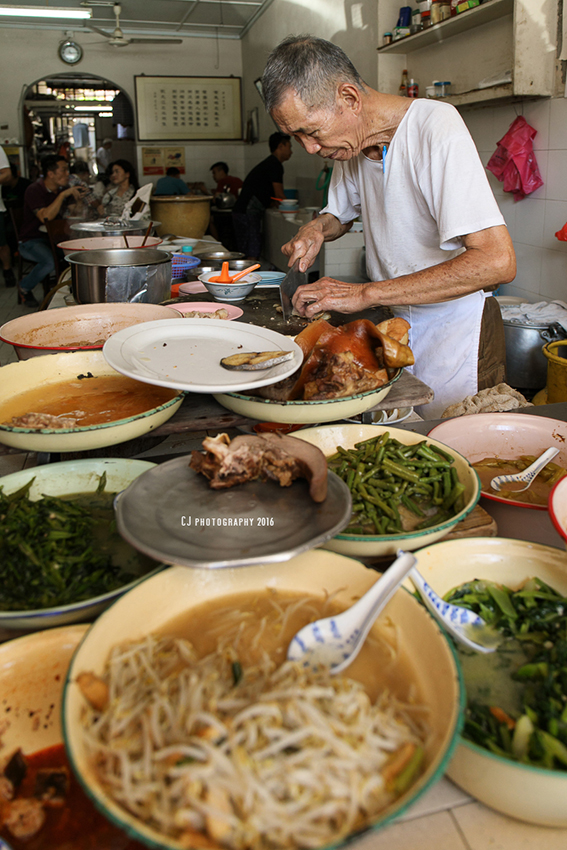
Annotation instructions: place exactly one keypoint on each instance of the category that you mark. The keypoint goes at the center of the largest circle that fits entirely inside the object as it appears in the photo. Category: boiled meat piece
(270, 456)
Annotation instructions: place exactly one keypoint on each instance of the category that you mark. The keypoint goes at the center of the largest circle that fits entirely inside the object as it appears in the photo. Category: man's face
(332, 133)
(61, 174)
(286, 148)
(218, 174)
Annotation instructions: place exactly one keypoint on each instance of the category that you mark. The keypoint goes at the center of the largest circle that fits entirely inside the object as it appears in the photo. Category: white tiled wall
(532, 222)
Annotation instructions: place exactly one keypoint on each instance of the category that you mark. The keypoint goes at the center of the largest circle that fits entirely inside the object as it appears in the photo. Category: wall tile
(528, 273)
(537, 113)
(554, 276)
(557, 176)
(555, 218)
(530, 214)
(558, 124)
(485, 828)
(511, 289)
(508, 210)
(480, 123)
(503, 117)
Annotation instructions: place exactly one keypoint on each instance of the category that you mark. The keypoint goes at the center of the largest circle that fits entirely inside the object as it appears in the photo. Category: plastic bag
(514, 162)
(562, 234)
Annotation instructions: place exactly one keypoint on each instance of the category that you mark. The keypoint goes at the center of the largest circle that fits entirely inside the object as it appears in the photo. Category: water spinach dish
(397, 487)
(57, 551)
(517, 696)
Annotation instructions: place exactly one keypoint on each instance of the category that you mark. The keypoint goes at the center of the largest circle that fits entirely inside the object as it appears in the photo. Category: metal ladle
(526, 475)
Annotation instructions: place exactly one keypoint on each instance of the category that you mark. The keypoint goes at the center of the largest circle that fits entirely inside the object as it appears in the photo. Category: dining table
(445, 818)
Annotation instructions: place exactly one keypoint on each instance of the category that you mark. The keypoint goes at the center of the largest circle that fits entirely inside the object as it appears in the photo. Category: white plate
(186, 355)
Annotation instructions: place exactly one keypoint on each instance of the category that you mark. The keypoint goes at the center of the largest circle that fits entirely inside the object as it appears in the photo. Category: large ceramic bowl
(32, 673)
(504, 435)
(558, 507)
(81, 328)
(40, 371)
(521, 791)
(65, 479)
(229, 291)
(95, 243)
(329, 437)
(304, 412)
(174, 592)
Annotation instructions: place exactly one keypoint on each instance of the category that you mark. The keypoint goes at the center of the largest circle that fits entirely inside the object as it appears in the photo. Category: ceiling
(154, 18)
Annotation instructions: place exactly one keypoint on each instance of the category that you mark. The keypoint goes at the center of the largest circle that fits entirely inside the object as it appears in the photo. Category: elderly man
(435, 238)
(44, 200)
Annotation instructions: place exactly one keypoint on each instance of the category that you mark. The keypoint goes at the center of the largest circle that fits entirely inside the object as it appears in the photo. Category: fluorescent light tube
(44, 12)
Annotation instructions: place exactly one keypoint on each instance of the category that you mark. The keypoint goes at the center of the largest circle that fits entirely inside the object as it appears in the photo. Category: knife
(288, 287)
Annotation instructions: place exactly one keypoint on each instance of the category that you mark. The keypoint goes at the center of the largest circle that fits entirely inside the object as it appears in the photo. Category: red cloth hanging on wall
(514, 162)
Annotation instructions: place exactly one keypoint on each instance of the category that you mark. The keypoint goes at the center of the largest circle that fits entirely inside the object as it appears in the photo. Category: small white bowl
(230, 291)
(557, 506)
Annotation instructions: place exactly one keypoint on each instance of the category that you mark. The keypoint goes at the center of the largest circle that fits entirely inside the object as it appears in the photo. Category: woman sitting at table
(124, 185)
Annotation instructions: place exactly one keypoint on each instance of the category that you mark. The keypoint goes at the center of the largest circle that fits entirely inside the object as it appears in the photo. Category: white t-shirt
(431, 190)
(4, 163)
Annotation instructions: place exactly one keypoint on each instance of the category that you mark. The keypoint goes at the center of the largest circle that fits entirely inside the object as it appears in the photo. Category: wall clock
(70, 52)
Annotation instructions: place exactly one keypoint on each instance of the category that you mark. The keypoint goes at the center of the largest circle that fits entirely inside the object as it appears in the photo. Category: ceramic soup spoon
(526, 476)
(336, 641)
(463, 625)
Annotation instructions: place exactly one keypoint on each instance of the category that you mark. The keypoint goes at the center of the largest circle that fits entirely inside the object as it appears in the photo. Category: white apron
(445, 341)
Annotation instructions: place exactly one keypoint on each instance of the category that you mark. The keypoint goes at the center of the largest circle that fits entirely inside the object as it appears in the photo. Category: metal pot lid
(218, 255)
(526, 323)
(111, 228)
(174, 516)
(119, 257)
(179, 199)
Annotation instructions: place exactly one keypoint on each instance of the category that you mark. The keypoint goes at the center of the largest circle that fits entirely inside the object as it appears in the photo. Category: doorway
(73, 114)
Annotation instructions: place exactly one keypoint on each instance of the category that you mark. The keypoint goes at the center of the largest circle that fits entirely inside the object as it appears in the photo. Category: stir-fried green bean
(396, 487)
(49, 553)
(531, 727)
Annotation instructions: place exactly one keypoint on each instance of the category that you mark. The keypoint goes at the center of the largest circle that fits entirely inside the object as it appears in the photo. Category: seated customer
(124, 187)
(225, 181)
(171, 184)
(44, 200)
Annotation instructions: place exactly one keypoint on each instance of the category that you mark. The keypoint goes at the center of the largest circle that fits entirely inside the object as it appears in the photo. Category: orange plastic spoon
(224, 276)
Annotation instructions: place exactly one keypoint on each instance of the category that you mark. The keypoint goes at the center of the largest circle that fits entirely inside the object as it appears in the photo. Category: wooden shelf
(491, 10)
(501, 92)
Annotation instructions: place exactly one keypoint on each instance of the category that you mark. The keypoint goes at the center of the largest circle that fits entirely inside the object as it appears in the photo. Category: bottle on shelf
(403, 90)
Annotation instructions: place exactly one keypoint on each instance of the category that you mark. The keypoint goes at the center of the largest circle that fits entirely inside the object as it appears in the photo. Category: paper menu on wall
(188, 108)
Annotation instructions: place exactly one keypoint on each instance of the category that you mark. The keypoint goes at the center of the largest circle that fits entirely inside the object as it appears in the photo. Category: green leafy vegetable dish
(398, 488)
(58, 551)
(517, 696)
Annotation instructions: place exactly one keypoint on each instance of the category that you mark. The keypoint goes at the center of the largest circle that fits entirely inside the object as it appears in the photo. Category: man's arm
(488, 260)
(307, 242)
(52, 211)
(5, 175)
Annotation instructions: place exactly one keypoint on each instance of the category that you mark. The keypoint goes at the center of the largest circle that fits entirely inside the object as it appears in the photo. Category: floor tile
(444, 795)
(434, 832)
(484, 828)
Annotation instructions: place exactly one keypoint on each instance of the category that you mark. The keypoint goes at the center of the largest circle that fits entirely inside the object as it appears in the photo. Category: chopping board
(262, 307)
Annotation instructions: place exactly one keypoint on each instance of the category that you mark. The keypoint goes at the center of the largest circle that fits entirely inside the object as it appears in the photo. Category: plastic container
(387, 38)
(556, 354)
(426, 19)
(413, 88)
(430, 91)
(181, 263)
(438, 86)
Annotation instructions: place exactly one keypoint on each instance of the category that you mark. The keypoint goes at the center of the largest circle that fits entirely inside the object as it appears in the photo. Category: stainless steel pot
(224, 200)
(526, 366)
(120, 274)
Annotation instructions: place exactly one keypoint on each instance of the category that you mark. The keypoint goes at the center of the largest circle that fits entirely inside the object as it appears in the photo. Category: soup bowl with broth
(265, 607)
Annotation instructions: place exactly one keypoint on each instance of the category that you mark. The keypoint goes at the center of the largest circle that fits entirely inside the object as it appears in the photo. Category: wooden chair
(58, 231)
(17, 217)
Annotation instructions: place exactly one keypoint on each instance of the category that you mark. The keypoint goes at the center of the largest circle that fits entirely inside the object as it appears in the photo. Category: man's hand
(305, 245)
(77, 192)
(330, 294)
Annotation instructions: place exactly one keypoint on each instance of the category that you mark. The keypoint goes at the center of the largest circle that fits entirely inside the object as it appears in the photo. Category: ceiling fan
(118, 39)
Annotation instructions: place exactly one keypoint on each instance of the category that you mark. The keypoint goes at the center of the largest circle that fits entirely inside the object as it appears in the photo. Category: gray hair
(309, 66)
